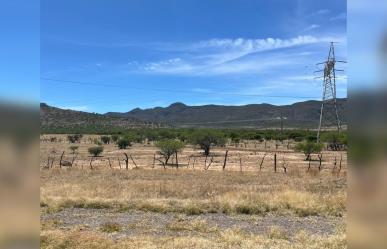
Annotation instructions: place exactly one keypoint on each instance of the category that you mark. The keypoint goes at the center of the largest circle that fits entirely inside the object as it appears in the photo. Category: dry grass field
(148, 206)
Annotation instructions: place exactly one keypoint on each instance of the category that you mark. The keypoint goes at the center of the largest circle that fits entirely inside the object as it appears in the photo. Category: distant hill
(299, 115)
(54, 119)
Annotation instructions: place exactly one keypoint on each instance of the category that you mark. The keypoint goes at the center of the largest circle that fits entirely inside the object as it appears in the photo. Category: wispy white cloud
(75, 108)
(169, 66)
(319, 13)
(229, 56)
(341, 16)
(255, 45)
(311, 27)
(323, 12)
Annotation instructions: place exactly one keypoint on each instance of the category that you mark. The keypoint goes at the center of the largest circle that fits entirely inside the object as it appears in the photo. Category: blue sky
(19, 51)
(104, 56)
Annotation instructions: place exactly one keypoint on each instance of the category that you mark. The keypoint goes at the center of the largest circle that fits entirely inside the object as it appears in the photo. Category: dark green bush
(95, 151)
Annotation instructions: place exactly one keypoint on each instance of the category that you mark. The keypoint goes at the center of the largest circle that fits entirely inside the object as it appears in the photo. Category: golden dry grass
(231, 238)
(193, 192)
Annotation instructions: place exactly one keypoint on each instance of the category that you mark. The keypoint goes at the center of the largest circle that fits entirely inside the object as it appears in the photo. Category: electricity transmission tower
(329, 101)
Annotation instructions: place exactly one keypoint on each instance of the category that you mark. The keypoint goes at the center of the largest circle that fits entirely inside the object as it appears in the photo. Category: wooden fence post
(284, 164)
(320, 162)
(91, 161)
(60, 161)
(263, 158)
(225, 160)
(126, 161)
(275, 162)
(133, 161)
(177, 161)
(119, 161)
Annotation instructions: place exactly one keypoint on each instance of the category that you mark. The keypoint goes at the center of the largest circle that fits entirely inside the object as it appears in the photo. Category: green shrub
(95, 151)
(335, 140)
(308, 148)
(123, 143)
(74, 148)
(105, 139)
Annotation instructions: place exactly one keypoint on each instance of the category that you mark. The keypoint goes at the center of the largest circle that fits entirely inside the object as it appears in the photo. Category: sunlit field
(254, 201)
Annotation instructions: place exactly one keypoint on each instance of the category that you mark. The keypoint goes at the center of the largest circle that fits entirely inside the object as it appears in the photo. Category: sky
(19, 51)
(101, 56)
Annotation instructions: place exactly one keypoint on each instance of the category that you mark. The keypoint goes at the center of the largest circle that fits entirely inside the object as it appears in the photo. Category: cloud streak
(229, 56)
(311, 27)
(341, 16)
(75, 108)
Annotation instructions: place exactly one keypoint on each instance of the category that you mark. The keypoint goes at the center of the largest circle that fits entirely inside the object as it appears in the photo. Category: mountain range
(298, 115)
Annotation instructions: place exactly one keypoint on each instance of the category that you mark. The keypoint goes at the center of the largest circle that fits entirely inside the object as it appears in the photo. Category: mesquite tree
(206, 139)
(169, 148)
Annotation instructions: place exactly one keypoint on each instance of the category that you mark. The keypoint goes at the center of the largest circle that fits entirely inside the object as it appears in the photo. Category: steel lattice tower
(329, 90)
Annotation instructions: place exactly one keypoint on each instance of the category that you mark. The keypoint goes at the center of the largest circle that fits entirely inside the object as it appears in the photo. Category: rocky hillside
(56, 119)
(299, 115)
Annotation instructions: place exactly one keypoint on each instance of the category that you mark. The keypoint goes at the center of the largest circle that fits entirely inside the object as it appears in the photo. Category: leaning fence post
(133, 161)
(261, 164)
(225, 160)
